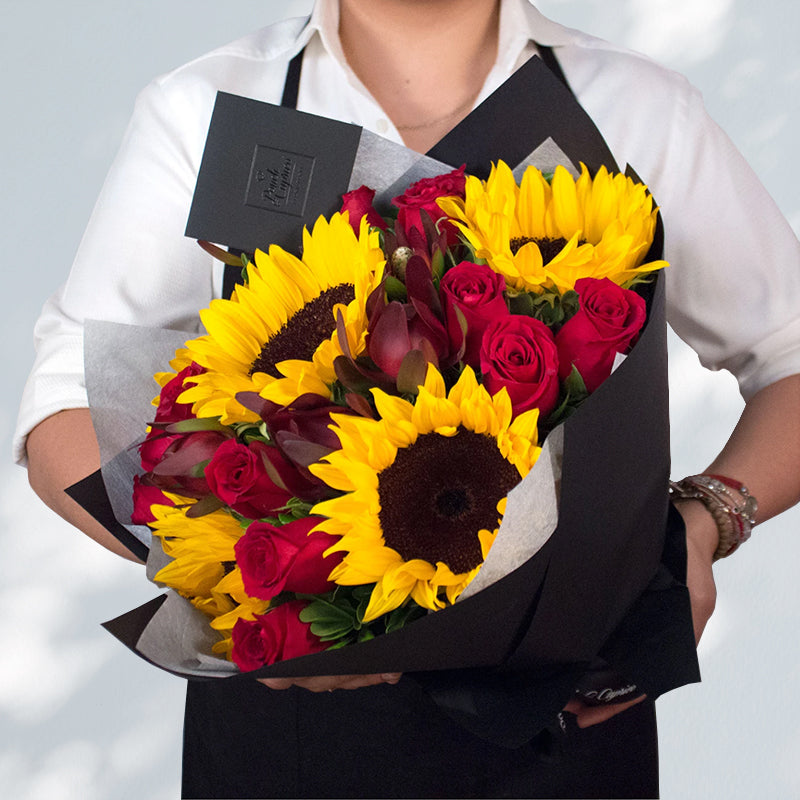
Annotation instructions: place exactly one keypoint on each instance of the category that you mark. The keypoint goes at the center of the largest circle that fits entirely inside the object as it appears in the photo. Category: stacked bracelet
(735, 516)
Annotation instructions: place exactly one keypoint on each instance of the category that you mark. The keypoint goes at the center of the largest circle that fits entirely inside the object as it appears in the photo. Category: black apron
(242, 740)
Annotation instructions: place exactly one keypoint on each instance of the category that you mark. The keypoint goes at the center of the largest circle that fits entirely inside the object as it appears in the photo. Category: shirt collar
(520, 24)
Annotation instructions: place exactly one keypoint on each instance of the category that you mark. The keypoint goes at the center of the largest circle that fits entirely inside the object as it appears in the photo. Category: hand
(702, 539)
(594, 715)
(701, 543)
(328, 683)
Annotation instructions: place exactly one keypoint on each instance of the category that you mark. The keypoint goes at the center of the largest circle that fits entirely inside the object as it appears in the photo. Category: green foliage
(395, 289)
(549, 307)
(338, 617)
(573, 393)
(199, 424)
(294, 509)
(469, 254)
(437, 266)
(251, 432)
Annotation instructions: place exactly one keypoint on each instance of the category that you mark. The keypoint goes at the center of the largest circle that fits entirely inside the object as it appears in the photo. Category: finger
(329, 683)
(277, 683)
(594, 715)
(360, 681)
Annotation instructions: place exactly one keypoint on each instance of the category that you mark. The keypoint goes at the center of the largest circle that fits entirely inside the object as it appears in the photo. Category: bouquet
(331, 461)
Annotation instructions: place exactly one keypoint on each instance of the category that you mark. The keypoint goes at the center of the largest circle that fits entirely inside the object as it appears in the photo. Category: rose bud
(169, 409)
(171, 459)
(608, 322)
(277, 635)
(302, 433)
(422, 196)
(359, 204)
(285, 559)
(287, 475)
(477, 291)
(519, 353)
(237, 476)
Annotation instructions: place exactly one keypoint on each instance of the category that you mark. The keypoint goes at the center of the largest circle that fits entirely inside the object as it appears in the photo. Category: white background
(79, 716)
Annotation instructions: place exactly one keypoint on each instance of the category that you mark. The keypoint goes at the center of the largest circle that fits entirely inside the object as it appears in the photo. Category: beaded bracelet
(734, 517)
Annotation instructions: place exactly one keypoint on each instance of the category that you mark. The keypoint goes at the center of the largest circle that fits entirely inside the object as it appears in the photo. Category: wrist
(729, 503)
(701, 527)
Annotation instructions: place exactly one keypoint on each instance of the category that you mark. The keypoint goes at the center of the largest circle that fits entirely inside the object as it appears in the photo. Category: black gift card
(266, 172)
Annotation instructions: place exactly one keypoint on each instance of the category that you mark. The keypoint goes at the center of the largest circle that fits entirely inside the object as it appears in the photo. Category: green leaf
(200, 424)
(319, 610)
(411, 374)
(395, 289)
(400, 617)
(208, 505)
(573, 393)
(329, 631)
(340, 644)
(576, 388)
(199, 469)
(570, 303)
(437, 264)
(299, 508)
(522, 304)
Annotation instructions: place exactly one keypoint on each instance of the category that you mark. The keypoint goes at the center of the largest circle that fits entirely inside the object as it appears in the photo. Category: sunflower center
(549, 248)
(304, 331)
(439, 492)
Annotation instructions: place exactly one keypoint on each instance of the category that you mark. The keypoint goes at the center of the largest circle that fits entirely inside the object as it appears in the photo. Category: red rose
(359, 204)
(422, 196)
(145, 496)
(608, 322)
(169, 409)
(519, 353)
(277, 635)
(285, 559)
(477, 290)
(237, 476)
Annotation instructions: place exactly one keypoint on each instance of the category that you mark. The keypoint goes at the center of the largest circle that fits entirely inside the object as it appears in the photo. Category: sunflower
(200, 547)
(424, 487)
(277, 334)
(543, 236)
(203, 566)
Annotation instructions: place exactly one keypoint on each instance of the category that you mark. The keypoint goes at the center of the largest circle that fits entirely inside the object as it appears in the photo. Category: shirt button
(382, 125)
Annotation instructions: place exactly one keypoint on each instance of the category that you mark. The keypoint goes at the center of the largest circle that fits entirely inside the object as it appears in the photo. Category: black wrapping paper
(505, 660)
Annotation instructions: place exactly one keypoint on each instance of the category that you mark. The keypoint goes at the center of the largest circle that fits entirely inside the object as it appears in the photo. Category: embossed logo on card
(279, 181)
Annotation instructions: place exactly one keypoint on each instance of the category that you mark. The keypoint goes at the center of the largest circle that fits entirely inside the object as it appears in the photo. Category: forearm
(763, 452)
(61, 451)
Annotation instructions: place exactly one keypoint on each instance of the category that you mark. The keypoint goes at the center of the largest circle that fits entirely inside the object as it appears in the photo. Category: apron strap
(292, 85)
(551, 62)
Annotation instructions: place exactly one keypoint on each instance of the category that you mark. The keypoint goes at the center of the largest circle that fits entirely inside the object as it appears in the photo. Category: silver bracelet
(735, 517)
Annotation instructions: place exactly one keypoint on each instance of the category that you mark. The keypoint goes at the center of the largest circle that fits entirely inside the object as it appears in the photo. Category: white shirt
(733, 290)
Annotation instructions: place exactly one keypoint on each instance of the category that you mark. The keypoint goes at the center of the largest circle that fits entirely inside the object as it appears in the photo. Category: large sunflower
(276, 335)
(544, 235)
(425, 486)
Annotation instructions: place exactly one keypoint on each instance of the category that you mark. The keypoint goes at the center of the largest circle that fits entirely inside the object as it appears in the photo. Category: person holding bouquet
(411, 70)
